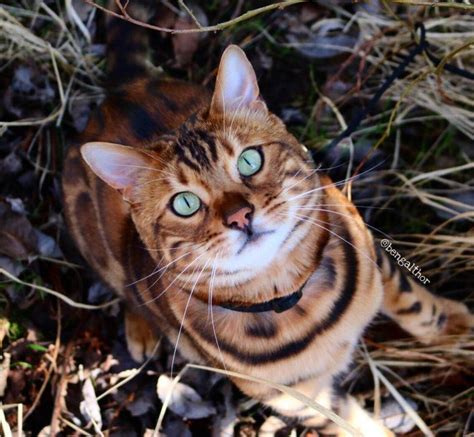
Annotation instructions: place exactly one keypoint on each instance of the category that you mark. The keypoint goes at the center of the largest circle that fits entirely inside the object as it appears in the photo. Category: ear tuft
(118, 166)
(236, 83)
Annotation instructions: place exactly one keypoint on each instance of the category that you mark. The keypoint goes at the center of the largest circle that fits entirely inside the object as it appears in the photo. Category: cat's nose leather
(240, 219)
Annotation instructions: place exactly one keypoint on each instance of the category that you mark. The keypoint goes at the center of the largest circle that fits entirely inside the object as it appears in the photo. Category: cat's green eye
(250, 162)
(185, 204)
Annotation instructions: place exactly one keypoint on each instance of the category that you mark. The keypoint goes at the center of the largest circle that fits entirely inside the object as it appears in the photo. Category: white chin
(255, 256)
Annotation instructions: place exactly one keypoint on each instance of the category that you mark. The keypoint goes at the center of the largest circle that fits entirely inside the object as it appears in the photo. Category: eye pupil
(186, 200)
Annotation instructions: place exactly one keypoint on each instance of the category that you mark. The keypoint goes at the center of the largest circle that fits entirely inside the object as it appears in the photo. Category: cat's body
(180, 273)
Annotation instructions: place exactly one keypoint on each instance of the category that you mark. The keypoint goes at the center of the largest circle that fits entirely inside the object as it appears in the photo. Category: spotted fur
(176, 272)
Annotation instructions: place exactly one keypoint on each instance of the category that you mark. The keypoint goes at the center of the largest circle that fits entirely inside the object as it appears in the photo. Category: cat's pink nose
(240, 218)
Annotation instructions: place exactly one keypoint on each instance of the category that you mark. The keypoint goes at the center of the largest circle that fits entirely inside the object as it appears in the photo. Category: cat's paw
(142, 341)
(394, 417)
(454, 319)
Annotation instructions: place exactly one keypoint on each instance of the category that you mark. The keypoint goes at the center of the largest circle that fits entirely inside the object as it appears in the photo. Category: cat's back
(138, 113)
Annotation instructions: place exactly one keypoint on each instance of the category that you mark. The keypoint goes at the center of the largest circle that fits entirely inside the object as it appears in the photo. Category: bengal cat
(211, 220)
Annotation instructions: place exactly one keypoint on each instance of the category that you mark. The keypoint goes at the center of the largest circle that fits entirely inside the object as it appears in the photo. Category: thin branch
(214, 28)
(65, 299)
(191, 13)
(434, 3)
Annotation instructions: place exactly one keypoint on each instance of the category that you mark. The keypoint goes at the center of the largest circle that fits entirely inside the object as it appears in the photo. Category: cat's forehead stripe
(196, 148)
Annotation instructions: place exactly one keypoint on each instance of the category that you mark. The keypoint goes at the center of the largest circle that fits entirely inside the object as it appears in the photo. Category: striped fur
(175, 271)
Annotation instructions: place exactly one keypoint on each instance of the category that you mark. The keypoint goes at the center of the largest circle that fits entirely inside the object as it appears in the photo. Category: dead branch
(124, 15)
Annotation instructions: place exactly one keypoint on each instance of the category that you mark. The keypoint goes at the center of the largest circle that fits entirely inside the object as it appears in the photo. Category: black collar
(279, 304)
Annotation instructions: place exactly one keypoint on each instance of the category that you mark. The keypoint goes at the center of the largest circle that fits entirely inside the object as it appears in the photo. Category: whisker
(144, 168)
(157, 158)
(172, 282)
(311, 173)
(223, 111)
(304, 218)
(184, 316)
(334, 184)
(151, 181)
(235, 114)
(213, 277)
(350, 217)
(345, 204)
(175, 248)
(155, 271)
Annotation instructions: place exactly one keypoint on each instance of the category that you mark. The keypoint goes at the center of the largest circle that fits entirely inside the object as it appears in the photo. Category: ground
(409, 167)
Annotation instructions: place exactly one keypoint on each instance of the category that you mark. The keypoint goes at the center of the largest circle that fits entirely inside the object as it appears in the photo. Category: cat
(216, 228)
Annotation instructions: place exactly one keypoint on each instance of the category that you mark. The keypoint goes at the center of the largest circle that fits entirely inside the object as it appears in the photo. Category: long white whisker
(342, 204)
(184, 316)
(151, 181)
(187, 245)
(308, 219)
(311, 173)
(144, 168)
(333, 184)
(173, 281)
(155, 271)
(348, 216)
(235, 114)
(223, 110)
(213, 276)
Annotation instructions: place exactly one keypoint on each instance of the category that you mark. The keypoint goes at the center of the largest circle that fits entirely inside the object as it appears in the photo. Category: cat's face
(226, 193)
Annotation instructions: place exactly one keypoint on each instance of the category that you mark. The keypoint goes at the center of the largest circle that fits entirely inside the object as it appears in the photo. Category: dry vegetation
(318, 64)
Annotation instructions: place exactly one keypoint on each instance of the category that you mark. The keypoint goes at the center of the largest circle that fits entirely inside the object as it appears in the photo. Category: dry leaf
(89, 406)
(18, 239)
(184, 401)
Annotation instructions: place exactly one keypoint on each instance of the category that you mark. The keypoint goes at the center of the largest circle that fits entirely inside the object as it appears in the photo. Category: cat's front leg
(142, 340)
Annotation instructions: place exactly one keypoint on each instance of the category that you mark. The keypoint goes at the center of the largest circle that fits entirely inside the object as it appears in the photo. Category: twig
(436, 4)
(52, 365)
(74, 427)
(7, 432)
(190, 12)
(60, 296)
(404, 404)
(214, 28)
(134, 373)
(61, 389)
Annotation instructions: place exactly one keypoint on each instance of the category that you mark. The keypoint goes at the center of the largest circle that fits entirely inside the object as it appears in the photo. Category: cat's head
(227, 192)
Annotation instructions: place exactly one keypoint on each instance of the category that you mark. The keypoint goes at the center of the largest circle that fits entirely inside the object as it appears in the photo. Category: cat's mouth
(251, 239)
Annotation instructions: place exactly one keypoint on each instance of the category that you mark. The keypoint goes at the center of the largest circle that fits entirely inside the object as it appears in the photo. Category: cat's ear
(236, 84)
(118, 166)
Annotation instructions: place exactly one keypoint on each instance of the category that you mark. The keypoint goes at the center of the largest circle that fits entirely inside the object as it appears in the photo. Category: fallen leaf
(271, 425)
(173, 427)
(18, 239)
(4, 370)
(89, 406)
(324, 40)
(184, 400)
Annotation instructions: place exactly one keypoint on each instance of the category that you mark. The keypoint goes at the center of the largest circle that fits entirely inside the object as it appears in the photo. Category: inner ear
(119, 166)
(236, 84)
